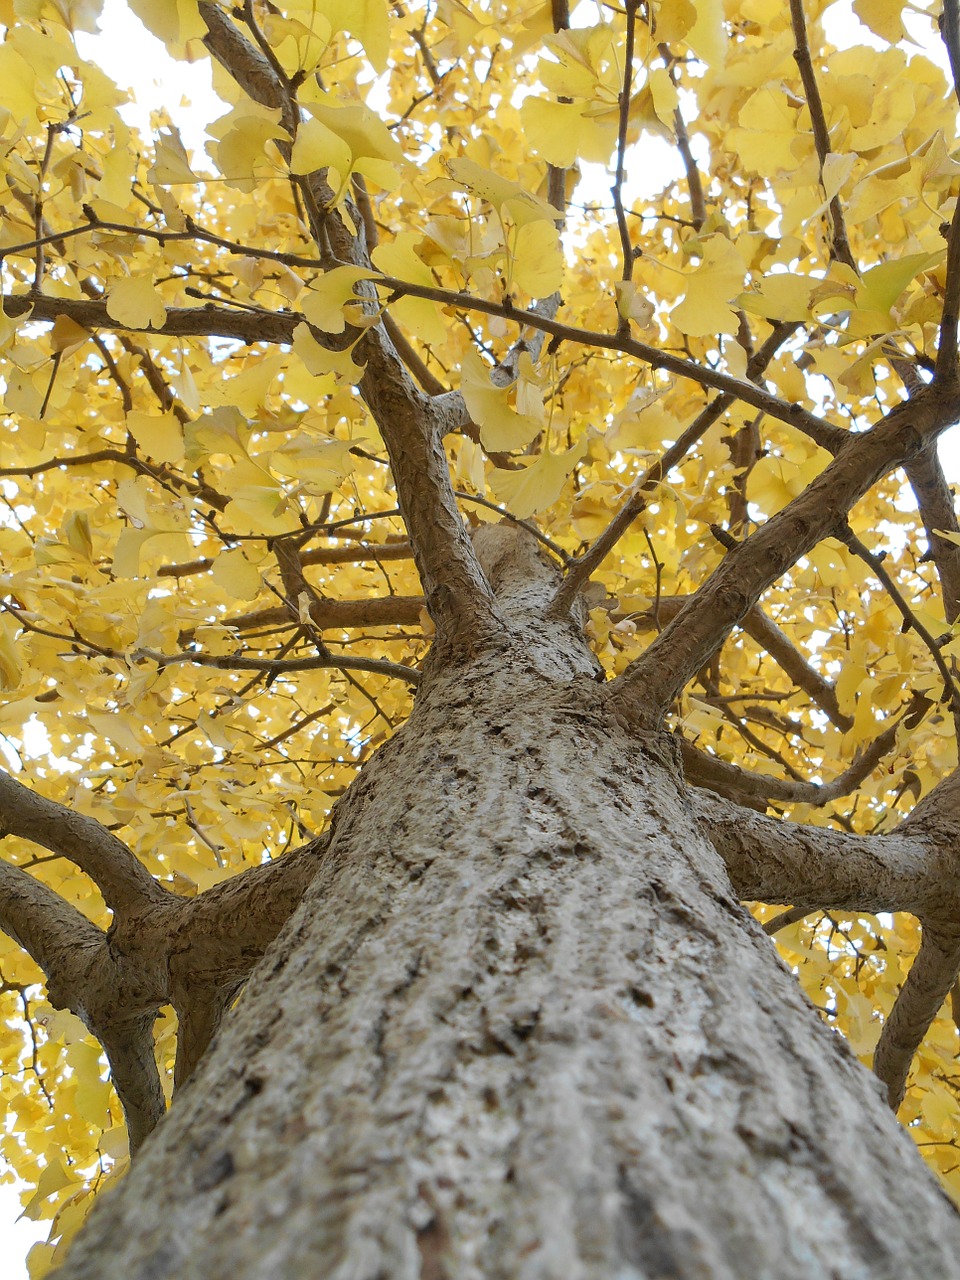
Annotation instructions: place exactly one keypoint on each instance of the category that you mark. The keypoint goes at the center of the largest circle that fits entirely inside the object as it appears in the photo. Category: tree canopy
(213, 609)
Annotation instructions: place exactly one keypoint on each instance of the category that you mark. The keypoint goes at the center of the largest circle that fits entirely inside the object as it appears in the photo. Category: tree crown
(254, 400)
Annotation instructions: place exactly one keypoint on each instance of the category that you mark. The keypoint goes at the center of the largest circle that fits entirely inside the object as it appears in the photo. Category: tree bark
(520, 1028)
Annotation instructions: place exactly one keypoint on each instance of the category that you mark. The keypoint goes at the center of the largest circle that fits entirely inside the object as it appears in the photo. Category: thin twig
(840, 244)
(626, 247)
(875, 562)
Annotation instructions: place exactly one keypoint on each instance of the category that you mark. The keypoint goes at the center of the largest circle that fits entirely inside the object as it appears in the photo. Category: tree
(639, 494)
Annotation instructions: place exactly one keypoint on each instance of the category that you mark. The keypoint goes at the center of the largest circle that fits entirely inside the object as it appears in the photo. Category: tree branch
(950, 692)
(280, 666)
(927, 986)
(938, 513)
(50, 930)
(457, 594)
(655, 678)
(123, 880)
(357, 554)
(770, 860)
(840, 244)
(758, 790)
(83, 975)
(581, 570)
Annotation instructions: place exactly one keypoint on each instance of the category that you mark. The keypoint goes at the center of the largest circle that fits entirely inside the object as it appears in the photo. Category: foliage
(210, 605)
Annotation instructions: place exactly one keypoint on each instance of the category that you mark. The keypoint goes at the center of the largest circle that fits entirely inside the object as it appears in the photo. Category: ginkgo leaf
(536, 262)
(319, 360)
(171, 162)
(323, 304)
(160, 435)
(710, 289)
(501, 427)
(346, 139)
(322, 463)
(538, 484)
(368, 21)
(502, 193)
(883, 17)
(236, 575)
(398, 257)
(318, 147)
(564, 132)
(256, 504)
(633, 304)
(10, 667)
(66, 336)
(136, 302)
(172, 21)
(782, 296)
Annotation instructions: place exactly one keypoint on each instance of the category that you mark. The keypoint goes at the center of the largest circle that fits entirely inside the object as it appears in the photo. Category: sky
(123, 47)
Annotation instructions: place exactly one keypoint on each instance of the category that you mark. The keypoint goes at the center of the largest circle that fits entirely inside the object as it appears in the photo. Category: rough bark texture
(520, 1028)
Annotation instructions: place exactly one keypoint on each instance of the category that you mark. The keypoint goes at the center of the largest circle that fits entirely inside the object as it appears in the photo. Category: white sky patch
(17, 1235)
(137, 60)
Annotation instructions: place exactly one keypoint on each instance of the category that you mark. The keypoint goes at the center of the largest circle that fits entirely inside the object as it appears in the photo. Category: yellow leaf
(318, 360)
(172, 21)
(257, 504)
(706, 36)
(136, 303)
(767, 133)
(504, 195)
(564, 132)
(171, 163)
(241, 153)
(346, 139)
(539, 484)
(368, 21)
(674, 18)
(501, 427)
(236, 575)
(399, 258)
(883, 17)
(710, 288)
(324, 302)
(318, 147)
(321, 463)
(67, 336)
(10, 670)
(160, 435)
(632, 304)
(783, 296)
(537, 260)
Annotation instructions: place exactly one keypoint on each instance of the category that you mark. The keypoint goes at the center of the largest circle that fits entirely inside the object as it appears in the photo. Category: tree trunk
(521, 1029)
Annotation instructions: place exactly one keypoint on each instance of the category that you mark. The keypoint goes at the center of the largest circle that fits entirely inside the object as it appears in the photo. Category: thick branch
(129, 1047)
(938, 513)
(208, 321)
(50, 930)
(927, 986)
(770, 860)
(124, 881)
(457, 595)
(84, 975)
(654, 679)
(357, 554)
(221, 934)
(280, 666)
(774, 642)
(328, 614)
(759, 789)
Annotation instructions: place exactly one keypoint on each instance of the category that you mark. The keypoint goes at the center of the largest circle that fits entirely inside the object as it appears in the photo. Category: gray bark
(520, 1028)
